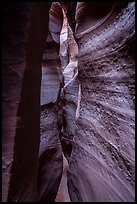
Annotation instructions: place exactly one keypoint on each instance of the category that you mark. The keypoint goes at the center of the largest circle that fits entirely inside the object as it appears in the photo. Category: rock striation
(50, 150)
(102, 162)
(68, 102)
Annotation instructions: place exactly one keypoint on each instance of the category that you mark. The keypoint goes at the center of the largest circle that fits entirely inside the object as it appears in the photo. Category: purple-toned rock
(68, 102)
(102, 162)
(24, 36)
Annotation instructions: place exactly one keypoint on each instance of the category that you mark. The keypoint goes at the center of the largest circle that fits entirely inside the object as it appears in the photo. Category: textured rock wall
(68, 56)
(102, 161)
(88, 114)
(50, 161)
(63, 52)
(51, 75)
(50, 152)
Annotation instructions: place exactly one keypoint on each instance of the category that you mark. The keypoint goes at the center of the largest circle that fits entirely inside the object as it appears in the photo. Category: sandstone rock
(70, 81)
(102, 162)
(21, 101)
(50, 151)
(51, 74)
(63, 52)
(50, 161)
(86, 110)
(63, 195)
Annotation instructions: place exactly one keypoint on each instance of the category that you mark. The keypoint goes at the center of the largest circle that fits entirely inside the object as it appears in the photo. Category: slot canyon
(68, 102)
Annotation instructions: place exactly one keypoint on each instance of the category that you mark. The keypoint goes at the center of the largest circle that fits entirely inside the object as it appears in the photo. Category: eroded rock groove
(68, 102)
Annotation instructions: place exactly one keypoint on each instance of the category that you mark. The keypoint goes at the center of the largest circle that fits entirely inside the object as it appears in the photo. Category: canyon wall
(102, 162)
(24, 38)
(50, 151)
(68, 102)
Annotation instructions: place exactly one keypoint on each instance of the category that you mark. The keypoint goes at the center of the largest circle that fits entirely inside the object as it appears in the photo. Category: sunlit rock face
(68, 56)
(102, 161)
(63, 52)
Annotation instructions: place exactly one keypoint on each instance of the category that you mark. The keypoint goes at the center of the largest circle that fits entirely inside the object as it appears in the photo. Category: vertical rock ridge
(23, 172)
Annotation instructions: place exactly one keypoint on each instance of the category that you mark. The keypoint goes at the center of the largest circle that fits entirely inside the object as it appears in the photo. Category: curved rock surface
(68, 56)
(51, 160)
(102, 163)
(50, 152)
(68, 102)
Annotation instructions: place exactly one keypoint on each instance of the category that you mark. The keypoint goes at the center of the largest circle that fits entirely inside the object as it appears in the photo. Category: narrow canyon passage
(59, 72)
(68, 93)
